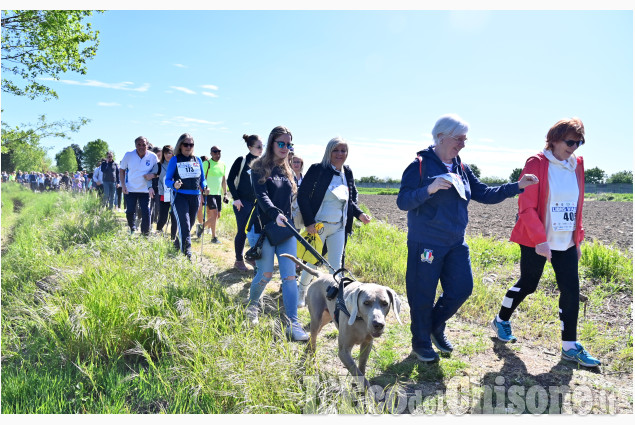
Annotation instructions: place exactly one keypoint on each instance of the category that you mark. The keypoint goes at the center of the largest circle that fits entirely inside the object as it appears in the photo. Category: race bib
(340, 192)
(189, 170)
(563, 216)
(456, 181)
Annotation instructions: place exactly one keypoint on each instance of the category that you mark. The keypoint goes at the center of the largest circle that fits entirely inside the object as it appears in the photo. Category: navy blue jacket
(440, 219)
(244, 191)
(273, 195)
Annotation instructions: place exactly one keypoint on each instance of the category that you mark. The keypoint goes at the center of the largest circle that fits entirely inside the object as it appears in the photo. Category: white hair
(326, 160)
(449, 125)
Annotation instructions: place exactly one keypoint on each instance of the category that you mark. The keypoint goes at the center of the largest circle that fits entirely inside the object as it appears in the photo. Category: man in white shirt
(134, 184)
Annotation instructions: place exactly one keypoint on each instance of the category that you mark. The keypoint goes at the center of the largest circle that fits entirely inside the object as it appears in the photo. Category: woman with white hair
(435, 190)
(328, 196)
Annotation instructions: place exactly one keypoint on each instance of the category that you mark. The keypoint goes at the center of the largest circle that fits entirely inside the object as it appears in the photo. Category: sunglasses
(281, 145)
(187, 145)
(570, 143)
(213, 151)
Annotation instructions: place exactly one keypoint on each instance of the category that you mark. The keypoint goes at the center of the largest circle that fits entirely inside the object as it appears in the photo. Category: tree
(475, 170)
(621, 177)
(493, 181)
(79, 155)
(21, 148)
(66, 161)
(594, 175)
(371, 179)
(93, 152)
(38, 43)
(515, 175)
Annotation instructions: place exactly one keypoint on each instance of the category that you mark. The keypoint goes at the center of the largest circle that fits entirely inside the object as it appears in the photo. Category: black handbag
(276, 234)
(255, 252)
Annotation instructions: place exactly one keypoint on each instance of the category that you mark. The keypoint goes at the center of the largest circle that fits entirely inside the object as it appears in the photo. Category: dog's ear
(351, 304)
(396, 303)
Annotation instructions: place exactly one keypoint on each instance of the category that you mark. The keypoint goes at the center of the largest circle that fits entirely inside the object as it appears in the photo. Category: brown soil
(608, 222)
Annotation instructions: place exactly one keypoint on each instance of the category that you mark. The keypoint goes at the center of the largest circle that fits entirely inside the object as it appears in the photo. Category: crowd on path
(269, 191)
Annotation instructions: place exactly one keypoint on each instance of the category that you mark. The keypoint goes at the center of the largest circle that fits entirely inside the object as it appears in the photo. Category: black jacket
(273, 196)
(244, 191)
(109, 172)
(313, 188)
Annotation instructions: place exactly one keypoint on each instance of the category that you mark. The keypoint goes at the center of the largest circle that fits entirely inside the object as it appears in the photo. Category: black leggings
(241, 221)
(164, 207)
(565, 266)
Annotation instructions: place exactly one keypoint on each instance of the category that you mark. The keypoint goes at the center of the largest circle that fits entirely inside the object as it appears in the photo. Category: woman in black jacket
(328, 196)
(242, 192)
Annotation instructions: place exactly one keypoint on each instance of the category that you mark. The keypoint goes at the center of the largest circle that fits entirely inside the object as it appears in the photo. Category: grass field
(98, 321)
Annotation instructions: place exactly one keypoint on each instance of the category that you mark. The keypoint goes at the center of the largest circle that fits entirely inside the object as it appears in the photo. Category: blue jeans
(450, 265)
(131, 206)
(110, 191)
(287, 269)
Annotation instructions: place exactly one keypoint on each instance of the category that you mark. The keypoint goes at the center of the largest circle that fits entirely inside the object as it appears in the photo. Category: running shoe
(425, 354)
(441, 342)
(199, 230)
(215, 240)
(252, 314)
(503, 330)
(296, 333)
(581, 356)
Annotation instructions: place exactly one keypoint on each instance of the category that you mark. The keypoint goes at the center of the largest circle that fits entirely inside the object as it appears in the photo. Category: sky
(379, 79)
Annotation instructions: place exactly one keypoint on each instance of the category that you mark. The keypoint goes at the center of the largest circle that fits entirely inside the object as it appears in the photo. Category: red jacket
(532, 204)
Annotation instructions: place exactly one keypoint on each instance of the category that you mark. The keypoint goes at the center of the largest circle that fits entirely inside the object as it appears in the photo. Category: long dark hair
(166, 149)
(266, 163)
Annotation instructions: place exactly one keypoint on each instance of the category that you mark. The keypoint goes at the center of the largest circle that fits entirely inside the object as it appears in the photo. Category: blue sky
(380, 79)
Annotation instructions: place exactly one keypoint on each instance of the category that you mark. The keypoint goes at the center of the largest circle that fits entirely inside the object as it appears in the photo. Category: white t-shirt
(562, 204)
(137, 168)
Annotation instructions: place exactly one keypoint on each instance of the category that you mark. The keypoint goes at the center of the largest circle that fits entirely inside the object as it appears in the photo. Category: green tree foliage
(44, 43)
(93, 152)
(371, 179)
(515, 175)
(493, 181)
(66, 161)
(621, 177)
(475, 170)
(594, 175)
(21, 145)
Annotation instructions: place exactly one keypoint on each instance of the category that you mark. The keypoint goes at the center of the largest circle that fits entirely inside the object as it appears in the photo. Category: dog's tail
(299, 263)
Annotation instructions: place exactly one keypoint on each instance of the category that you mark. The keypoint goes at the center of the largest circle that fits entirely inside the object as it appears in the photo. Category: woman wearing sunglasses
(274, 185)
(328, 195)
(184, 175)
(549, 228)
(239, 185)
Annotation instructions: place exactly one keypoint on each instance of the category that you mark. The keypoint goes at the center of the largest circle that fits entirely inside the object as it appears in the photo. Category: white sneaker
(296, 333)
(252, 314)
(302, 295)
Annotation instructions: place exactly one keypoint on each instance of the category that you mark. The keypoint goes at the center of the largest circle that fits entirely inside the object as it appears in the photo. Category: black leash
(332, 291)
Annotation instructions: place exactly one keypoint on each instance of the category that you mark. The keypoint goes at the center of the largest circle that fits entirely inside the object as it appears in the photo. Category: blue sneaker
(441, 342)
(503, 330)
(581, 356)
(426, 355)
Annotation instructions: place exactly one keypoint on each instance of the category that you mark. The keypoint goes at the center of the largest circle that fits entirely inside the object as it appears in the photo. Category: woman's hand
(280, 220)
(311, 229)
(238, 204)
(365, 218)
(545, 250)
(438, 184)
(527, 180)
(206, 191)
(178, 184)
(579, 250)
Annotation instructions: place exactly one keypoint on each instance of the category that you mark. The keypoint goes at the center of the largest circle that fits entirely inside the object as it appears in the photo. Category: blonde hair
(264, 165)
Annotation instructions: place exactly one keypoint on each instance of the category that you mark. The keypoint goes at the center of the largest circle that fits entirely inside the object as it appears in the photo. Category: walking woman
(549, 228)
(275, 186)
(328, 195)
(164, 193)
(435, 190)
(184, 175)
(239, 184)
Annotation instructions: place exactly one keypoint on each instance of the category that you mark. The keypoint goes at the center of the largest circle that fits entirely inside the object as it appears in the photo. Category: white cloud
(126, 85)
(180, 65)
(184, 121)
(108, 104)
(210, 87)
(206, 93)
(183, 89)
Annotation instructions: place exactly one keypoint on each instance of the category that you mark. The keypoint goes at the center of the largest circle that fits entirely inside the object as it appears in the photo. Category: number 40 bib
(563, 216)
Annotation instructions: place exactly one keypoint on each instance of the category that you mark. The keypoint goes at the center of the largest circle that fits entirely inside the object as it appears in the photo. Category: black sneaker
(441, 342)
(426, 355)
(199, 230)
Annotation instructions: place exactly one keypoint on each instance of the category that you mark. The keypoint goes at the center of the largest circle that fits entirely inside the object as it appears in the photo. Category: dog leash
(340, 305)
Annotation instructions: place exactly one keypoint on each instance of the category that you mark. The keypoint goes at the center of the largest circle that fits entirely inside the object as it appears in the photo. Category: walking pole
(204, 218)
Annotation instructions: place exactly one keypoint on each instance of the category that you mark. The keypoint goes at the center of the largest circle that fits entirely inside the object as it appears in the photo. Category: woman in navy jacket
(328, 195)
(185, 177)
(435, 190)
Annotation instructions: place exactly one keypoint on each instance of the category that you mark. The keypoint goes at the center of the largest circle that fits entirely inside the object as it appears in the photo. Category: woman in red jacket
(549, 228)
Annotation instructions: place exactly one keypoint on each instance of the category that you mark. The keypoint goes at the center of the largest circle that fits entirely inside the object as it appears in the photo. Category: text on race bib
(563, 216)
